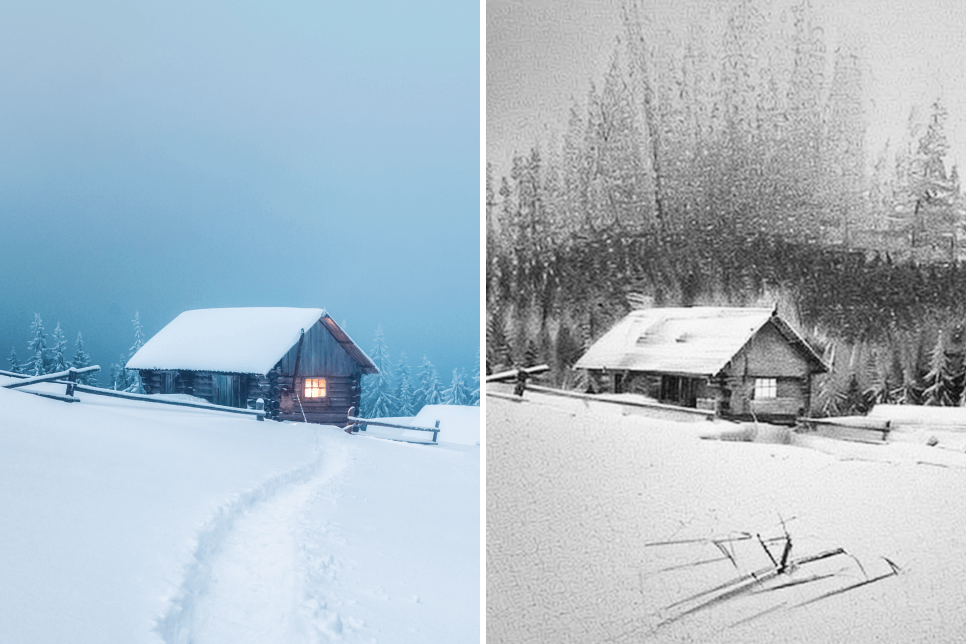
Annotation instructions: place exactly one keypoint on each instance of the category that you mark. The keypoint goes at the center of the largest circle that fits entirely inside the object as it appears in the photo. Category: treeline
(52, 357)
(723, 164)
(733, 122)
(395, 391)
(879, 324)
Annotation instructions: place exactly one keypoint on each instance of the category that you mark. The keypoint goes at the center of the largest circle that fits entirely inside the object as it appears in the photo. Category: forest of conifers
(725, 163)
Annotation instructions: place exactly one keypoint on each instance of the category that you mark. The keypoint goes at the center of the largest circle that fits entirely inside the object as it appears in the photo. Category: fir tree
(937, 380)
(433, 393)
(475, 395)
(458, 393)
(119, 381)
(404, 398)
(58, 360)
(403, 391)
(426, 372)
(377, 398)
(40, 360)
(81, 360)
(133, 376)
(14, 362)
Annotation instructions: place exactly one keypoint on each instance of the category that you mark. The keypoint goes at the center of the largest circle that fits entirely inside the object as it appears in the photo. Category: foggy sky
(541, 56)
(160, 157)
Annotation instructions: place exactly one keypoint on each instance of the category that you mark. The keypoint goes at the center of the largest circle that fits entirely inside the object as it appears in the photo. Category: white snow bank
(574, 497)
(101, 506)
(126, 521)
(918, 415)
(238, 340)
(458, 424)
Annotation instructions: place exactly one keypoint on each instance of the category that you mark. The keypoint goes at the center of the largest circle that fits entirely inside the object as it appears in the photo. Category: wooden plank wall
(321, 355)
(342, 392)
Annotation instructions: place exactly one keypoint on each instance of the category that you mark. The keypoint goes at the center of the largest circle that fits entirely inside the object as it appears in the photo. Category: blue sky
(159, 157)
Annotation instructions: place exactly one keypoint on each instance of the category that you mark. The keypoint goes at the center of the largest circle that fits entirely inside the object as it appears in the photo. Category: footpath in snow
(129, 522)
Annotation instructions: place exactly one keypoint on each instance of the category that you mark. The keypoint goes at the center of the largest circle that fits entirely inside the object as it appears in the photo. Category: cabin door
(226, 390)
(678, 390)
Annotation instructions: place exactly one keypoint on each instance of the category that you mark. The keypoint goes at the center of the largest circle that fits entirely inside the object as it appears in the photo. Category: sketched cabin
(298, 360)
(740, 362)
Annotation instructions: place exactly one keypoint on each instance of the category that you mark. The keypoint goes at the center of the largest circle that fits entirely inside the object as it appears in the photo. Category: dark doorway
(678, 390)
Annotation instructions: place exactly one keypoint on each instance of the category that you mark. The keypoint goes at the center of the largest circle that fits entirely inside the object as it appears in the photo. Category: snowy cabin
(740, 362)
(297, 360)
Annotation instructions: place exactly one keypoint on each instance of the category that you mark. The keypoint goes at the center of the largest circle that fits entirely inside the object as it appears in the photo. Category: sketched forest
(725, 162)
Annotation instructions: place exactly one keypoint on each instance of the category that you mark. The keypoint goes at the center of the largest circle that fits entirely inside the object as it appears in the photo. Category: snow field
(130, 522)
(575, 498)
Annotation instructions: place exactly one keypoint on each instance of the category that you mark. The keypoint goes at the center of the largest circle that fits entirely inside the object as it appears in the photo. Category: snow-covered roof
(694, 340)
(237, 340)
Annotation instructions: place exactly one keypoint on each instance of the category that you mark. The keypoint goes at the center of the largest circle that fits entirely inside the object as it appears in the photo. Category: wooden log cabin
(299, 361)
(743, 363)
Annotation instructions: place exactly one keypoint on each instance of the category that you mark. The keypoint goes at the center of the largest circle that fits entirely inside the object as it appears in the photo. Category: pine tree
(404, 398)
(37, 366)
(58, 360)
(403, 391)
(433, 393)
(14, 362)
(119, 376)
(377, 398)
(937, 389)
(458, 393)
(475, 395)
(133, 376)
(81, 360)
(426, 373)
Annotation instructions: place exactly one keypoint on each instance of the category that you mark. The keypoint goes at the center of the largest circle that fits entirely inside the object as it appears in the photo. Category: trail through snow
(361, 550)
(257, 590)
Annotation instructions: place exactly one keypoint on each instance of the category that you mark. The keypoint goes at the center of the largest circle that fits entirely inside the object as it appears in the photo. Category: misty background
(165, 157)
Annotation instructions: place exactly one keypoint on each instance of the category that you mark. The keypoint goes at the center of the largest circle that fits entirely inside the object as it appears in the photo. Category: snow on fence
(355, 423)
(72, 387)
(71, 375)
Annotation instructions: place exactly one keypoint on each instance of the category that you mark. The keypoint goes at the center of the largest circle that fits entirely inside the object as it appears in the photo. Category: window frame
(314, 385)
(766, 389)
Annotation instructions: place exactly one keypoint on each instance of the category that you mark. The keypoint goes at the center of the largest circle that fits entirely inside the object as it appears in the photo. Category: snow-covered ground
(601, 527)
(130, 522)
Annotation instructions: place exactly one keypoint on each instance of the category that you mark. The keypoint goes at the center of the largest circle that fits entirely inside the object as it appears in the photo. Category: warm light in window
(315, 387)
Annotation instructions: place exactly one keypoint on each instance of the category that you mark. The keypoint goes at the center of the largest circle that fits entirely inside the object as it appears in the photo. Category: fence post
(436, 432)
(260, 406)
(71, 379)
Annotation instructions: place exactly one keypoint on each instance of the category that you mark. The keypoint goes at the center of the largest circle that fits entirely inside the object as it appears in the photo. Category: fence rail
(356, 422)
(72, 387)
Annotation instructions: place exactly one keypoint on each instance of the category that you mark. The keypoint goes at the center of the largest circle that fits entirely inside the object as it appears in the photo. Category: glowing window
(766, 388)
(315, 387)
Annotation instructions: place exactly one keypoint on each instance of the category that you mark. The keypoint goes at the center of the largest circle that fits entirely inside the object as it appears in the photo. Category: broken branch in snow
(726, 552)
(839, 591)
(741, 536)
(767, 551)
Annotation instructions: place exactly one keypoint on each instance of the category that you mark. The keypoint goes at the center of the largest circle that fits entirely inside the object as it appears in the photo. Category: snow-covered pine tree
(81, 360)
(58, 361)
(475, 395)
(14, 362)
(119, 375)
(937, 379)
(40, 360)
(404, 388)
(377, 398)
(457, 393)
(404, 398)
(133, 376)
(426, 372)
(433, 392)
